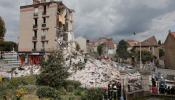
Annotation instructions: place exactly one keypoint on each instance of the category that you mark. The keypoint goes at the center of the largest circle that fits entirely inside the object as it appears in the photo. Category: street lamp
(140, 55)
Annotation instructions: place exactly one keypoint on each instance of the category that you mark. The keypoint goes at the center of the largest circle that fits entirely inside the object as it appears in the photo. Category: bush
(75, 84)
(70, 88)
(62, 91)
(28, 80)
(47, 92)
(80, 91)
(21, 91)
(30, 88)
(93, 94)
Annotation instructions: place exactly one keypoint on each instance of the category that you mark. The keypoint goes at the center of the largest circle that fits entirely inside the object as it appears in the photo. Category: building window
(36, 21)
(45, 9)
(36, 11)
(43, 33)
(35, 33)
(34, 46)
(44, 19)
(43, 45)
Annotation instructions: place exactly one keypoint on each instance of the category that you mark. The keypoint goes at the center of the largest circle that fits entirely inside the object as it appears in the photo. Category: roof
(109, 43)
(132, 42)
(45, 3)
(173, 34)
(149, 42)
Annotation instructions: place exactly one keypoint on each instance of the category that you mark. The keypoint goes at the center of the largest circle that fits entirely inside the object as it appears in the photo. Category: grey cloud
(98, 18)
(118, 18)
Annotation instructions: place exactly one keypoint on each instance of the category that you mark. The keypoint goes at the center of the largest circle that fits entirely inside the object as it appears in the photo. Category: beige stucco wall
(26, 28)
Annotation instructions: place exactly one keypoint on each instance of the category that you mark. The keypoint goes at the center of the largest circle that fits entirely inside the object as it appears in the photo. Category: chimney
(36, 1)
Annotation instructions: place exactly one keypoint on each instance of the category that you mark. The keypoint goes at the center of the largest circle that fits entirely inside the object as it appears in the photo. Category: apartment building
(41, 25)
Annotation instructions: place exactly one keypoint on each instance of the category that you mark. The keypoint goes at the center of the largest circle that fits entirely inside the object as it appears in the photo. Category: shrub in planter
(47, 92)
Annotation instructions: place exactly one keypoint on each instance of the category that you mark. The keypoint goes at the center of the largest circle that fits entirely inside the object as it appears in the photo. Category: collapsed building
(43, 25)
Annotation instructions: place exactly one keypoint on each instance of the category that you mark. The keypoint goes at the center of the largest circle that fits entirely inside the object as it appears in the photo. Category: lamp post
(140, 45)
(140, 55)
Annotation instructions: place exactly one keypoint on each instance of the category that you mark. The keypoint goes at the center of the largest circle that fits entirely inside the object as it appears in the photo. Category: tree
(2, 28)
(8, 46)
(159, 42)
(122, 50)
(100, 49)
(53, 72)
(161, 52)
(146, 56)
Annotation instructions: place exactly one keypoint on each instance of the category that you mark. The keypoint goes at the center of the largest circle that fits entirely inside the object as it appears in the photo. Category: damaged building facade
(43, 25)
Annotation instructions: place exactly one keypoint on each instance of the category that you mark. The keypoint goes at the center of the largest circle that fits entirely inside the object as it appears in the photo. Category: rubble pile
(134, 81)
(26, 70)
(95, 73)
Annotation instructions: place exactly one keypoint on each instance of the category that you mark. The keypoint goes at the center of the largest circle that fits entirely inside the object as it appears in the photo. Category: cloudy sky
(106, 18)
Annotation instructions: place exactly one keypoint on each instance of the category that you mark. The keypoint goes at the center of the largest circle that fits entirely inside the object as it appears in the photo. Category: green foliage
(80, 91)
(8, 46)
(161, 52)
(53, 72)
(15, 82)
(30, 88)
(93, 94)
(122, 50)
(146, 56)
(21, 91)
(100, 49)
(47, 92)
(2, 28)
(75, 84)
(159, 42)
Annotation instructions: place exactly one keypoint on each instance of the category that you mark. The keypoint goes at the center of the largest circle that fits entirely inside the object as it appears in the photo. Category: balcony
(34, 50)
(35, 15)
(34, 38)
(35, 27)
(44, 25)
(43, 50)
(43, 38)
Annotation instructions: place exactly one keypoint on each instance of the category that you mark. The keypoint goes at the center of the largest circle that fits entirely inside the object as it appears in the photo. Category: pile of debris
(26, 70)
(95, 73)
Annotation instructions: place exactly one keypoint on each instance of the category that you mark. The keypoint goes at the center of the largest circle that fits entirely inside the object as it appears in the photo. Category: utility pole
(140, 46)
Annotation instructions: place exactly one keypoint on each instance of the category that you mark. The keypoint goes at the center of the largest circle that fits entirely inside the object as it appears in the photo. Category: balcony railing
(35, 26)
(42, 50)
(44, 25)
(43, 38)
(34, 38)
(35, 14)
(34, 49)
